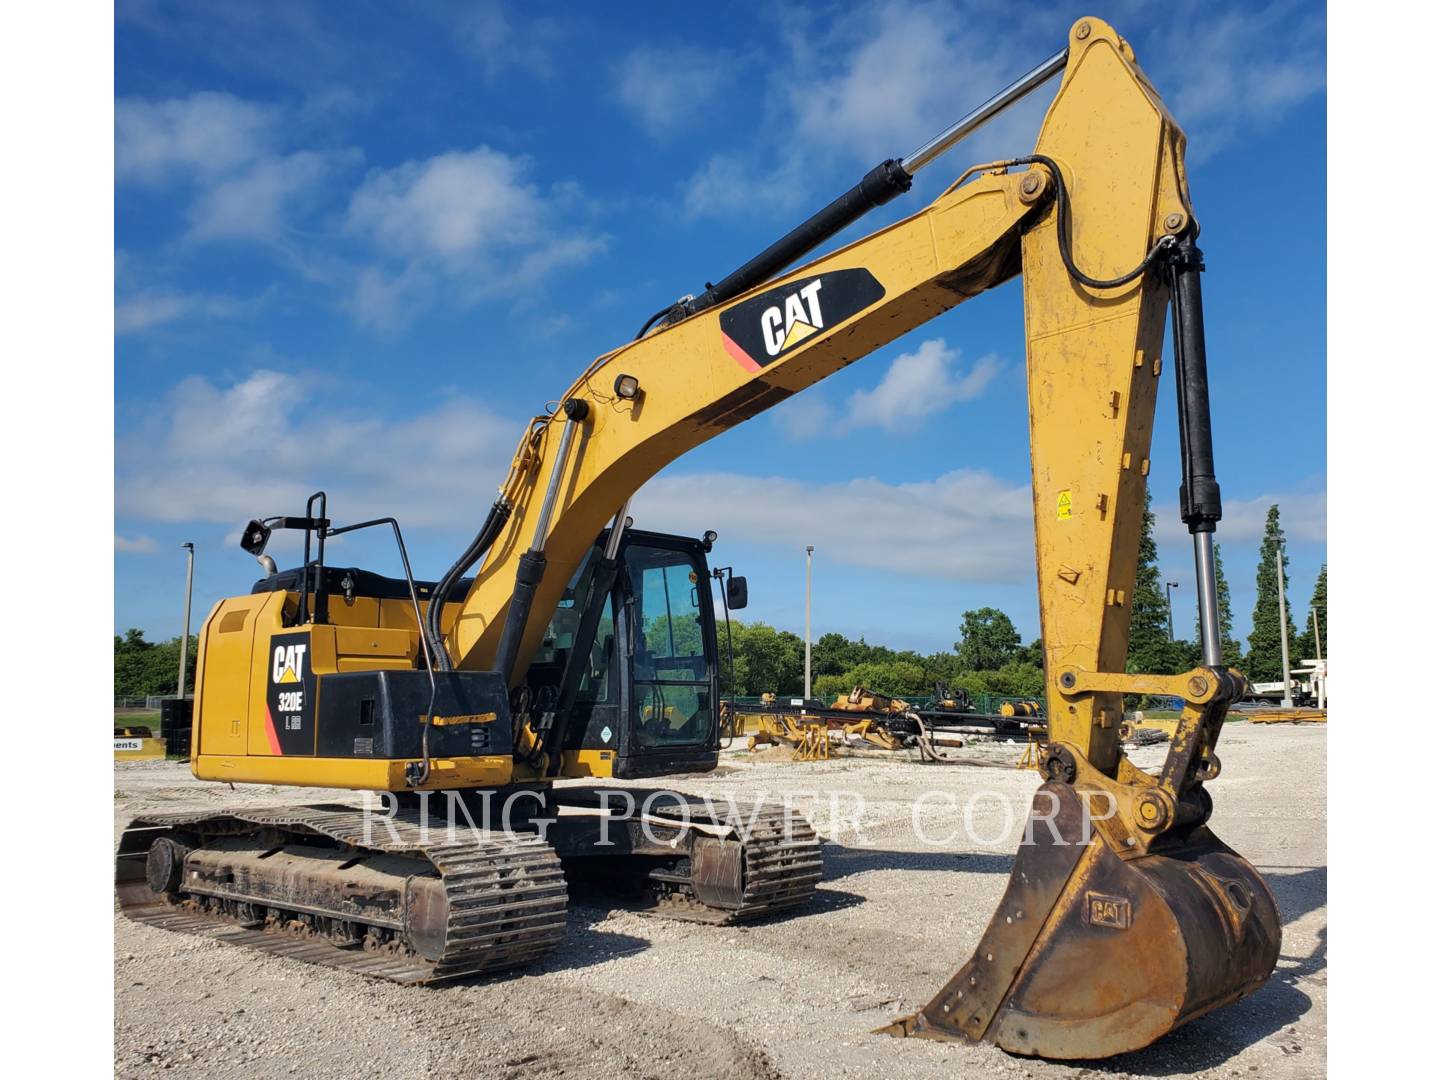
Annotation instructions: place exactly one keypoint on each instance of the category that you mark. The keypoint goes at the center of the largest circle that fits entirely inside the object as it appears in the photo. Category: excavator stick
(1124, 916)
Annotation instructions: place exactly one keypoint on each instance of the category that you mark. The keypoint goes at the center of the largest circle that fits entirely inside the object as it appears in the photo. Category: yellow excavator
(584, 650)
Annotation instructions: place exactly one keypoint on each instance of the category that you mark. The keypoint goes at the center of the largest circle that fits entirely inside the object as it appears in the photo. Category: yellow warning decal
(1062, 506)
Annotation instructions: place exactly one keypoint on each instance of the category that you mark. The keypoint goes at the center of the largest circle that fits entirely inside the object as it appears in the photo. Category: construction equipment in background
(1264, 714)
(1112, 930)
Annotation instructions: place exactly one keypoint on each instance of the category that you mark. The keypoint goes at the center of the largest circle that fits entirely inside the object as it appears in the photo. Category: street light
(185, 639)
(1286, 701)
(809, 561)
(1170, 607)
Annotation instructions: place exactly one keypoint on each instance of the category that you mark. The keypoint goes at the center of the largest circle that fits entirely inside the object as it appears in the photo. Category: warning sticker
(1062, 506)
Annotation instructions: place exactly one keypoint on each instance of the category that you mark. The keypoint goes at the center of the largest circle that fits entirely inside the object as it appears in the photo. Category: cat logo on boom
(758, 331)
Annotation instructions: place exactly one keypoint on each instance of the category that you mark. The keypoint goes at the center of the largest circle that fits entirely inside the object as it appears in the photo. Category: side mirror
(255, 537)
(737, 593)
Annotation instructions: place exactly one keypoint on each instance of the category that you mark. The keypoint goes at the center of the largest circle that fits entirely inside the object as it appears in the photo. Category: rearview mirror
(737, 593)
(255, 537)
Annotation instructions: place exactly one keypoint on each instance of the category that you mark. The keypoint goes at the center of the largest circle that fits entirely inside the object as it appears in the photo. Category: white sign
(129, 744)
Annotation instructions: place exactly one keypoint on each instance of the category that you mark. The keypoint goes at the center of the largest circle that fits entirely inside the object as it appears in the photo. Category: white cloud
(486, 32)
(667, 87)
(461, 214)
(851, 85)
(225, 152)
(1302, 516)
(255, 203)
(205, 134)
(139, 545)
(966, 525)
(449, 206)
(262, 445)
(916, 385)
(919, 383)
(1221, 72)
(152, 308)
(729, 185)
(892, 75)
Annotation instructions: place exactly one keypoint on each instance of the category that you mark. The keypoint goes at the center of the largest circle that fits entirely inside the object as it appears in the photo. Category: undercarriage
(417, 897)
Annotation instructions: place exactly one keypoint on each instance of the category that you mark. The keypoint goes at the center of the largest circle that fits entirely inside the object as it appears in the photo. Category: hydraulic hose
(1062, 229)
(494, 521)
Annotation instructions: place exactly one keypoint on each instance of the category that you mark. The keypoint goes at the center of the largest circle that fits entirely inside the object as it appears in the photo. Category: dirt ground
(632, 995)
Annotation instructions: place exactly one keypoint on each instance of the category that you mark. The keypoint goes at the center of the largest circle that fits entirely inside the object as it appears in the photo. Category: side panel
(223, 680)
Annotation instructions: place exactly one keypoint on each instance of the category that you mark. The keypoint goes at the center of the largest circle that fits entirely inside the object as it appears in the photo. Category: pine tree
(1229, 647)
(1262, 664)
(1151, 650)
(1306, 641)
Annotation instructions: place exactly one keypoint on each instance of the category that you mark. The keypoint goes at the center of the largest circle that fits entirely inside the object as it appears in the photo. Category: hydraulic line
(1062, 229)
(531, 569)
(494, 521)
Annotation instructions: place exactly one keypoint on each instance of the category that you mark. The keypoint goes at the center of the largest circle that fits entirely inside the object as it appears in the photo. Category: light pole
(809, 562)
(1170, 606)
(185, 639)
(1286, 702)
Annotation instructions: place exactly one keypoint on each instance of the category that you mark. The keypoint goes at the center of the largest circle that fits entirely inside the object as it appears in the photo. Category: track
(780, 864)
(504, 894)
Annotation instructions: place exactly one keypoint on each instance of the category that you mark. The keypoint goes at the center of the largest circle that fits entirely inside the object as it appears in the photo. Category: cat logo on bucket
(1111, 911)
(764, 328)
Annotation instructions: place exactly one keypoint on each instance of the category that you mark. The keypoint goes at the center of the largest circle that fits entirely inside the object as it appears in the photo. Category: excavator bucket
(1092, 954)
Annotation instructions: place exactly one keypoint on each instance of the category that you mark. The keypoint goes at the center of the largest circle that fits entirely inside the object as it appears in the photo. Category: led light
(627, 387)
(711, 536)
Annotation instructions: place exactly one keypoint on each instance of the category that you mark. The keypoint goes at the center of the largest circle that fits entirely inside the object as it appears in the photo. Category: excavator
(579, 650)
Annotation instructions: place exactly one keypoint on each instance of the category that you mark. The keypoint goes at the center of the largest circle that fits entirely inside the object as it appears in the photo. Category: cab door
(669, 645)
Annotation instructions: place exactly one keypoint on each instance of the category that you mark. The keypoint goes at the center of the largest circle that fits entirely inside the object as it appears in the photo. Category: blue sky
(356, 246)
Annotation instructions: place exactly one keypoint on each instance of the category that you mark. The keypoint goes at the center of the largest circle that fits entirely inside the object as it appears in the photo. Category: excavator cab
(646, 703)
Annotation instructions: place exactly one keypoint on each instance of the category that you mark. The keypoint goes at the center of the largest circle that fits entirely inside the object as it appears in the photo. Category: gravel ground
(637, 996)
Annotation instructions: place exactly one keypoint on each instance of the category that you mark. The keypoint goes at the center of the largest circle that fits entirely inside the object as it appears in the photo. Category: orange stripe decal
(740, 356)
(270, 732)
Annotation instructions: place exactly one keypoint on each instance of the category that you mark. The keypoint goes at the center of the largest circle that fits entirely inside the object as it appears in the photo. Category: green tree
(1262, 664)
(1229, 647)
(144, 668)
(898, 678)
(1151, 650)
(988, 640)
(831, 654)
(767, 661)
(1305, 643)
(1032, 654)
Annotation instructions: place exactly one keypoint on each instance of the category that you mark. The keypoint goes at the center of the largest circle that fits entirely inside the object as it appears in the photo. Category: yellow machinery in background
(560, 658)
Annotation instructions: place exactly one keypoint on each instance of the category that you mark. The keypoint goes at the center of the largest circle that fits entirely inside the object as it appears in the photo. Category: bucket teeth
(1091, 955)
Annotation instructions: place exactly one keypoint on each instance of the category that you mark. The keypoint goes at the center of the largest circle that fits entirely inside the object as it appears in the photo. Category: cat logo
(764, 328)
(1104, 910)
(289, 663)
(797, 323)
